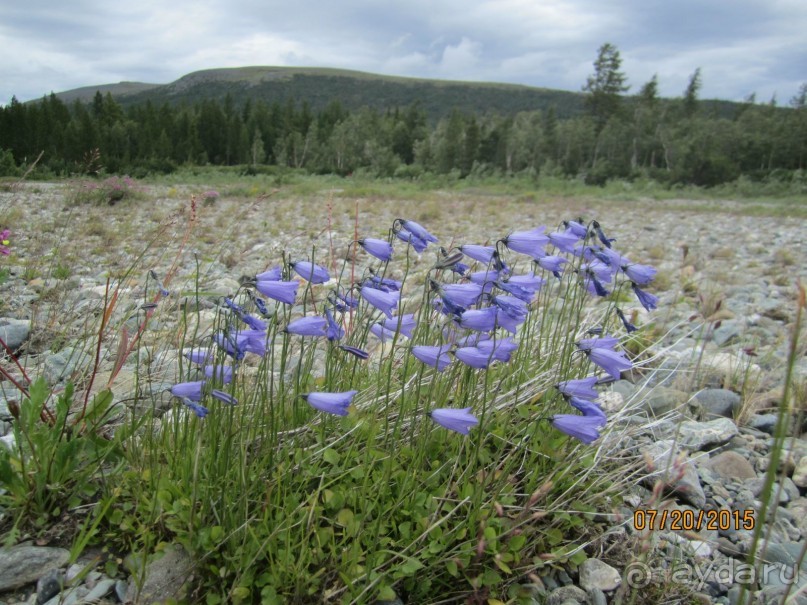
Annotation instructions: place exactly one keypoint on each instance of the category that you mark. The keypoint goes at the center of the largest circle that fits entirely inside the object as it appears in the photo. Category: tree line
(670, 140)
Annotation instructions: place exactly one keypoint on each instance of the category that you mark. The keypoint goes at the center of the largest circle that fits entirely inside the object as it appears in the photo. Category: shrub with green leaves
(350, 433)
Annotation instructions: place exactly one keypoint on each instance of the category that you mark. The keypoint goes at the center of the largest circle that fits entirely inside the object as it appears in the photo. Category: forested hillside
(607, 135)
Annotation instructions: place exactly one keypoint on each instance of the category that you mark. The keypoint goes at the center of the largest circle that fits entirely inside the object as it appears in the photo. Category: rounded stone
(731, 465)
(594, 574)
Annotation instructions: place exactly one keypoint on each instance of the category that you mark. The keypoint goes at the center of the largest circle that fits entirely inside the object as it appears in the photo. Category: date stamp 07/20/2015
(721, 519)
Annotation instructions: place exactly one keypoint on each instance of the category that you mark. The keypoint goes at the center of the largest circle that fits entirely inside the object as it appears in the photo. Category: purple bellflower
(577, 228)
(553, 264)
(200, 410)
(588, 408)
(460, 268)
(407, 236)
(582, 388)
(311, 272)
(355, 351)
(447, 307)
(524, 293)
(333, 403)
(641, 275)
(462, 295)
(605, 241)
(273, 274)
(418, 230)
(530, 242)
(252, 322)
(403, 323)
(474, 357)
(479, 320)
(603, 342)
(511, 305)
(308, 326)
(383, 301)
(334, 331)
(613, 362)
(382, 333)
(343, 302)
(189, 390)
(379, 248)
(224, 397)
(252, 341)
(563, 240)
(649, 301)
(629, 327)
(459, 420)
(385, 283)
(281, 291)
(500, 349)
(230, 345)
(584, 428)
(199, 356)
(483, 254)
(224, 374)
(436, 357)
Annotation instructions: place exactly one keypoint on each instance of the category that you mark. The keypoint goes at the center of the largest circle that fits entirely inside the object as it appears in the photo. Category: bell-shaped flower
(418, 230)
(447, 307)
(553, 264)
(641, 275)
(281, 291)
(382, 333)
(588, 408)
(511, 305)
(479, 320)
(379, 248)
(198, 409)
(530, 242)
(383, 301)
(221, 373)
(224, 397)
(252, 341)
(459, 420)
(311, 272)
(584, 428)
(402, 323)
(474, 357)
(500, 349)
(602, 342)
(460, 268)
(333, 403)
(649, 301)
(385, 283)
(334, 331)
(355, 351)
(190, 390)
(577, 228)
(252, 322)
(564, 241)
(483, 254)
(462, 295)
(230, 345)
(199, 356)
(582, 388)
(600, 234)
(436, 357)
(343, 302)
(273, 274)
(407, 236)
(308, 326)
(629, 327)
(613, 362)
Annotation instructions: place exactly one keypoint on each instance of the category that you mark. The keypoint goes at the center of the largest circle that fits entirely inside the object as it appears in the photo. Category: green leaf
(385, 593)
(331, 456)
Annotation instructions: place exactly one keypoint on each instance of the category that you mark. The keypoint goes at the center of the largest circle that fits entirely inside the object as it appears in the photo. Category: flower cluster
(4, 242)
(480, 308)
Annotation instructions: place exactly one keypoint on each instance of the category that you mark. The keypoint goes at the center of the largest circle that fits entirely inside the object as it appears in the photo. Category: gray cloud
(742, 46)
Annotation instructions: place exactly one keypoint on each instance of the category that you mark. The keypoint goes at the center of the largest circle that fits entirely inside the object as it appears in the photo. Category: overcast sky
(741, 46)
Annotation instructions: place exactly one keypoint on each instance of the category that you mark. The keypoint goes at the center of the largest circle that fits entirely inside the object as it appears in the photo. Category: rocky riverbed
(696, 417)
